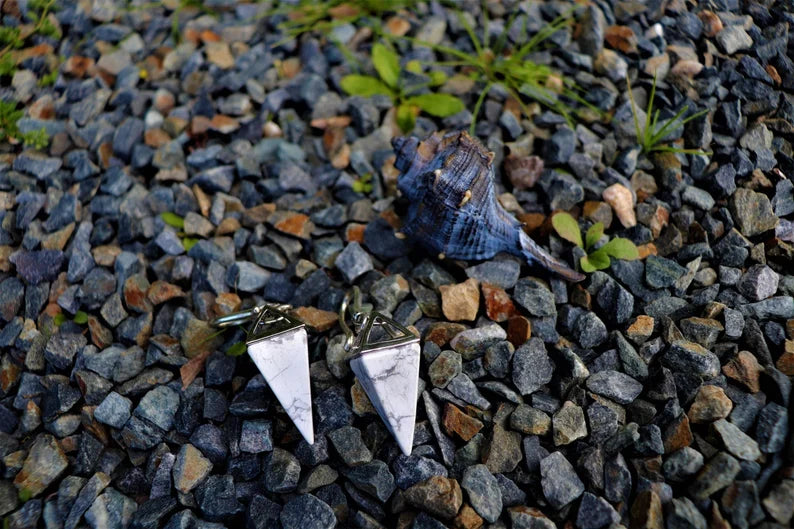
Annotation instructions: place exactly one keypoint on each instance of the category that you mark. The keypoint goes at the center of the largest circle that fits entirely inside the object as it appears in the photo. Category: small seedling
(13, 38)
(651, 134)
(494, 63)
(363, 184)
(596, 259)
(175, 221)
(80, 318)
(407, 102)
(9, 129)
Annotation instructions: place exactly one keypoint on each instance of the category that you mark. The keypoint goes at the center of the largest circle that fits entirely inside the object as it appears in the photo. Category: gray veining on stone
(390, 378)
(283, 360)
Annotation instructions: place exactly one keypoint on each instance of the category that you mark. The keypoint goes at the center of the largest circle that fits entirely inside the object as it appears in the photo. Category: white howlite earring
(278, 345)
(387, 367)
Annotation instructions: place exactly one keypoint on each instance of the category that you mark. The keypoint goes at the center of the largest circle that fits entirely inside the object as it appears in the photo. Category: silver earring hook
(243, 316)
(353, 295)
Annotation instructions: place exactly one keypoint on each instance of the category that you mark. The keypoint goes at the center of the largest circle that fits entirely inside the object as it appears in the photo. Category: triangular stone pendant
(278, 345)
(388, 370)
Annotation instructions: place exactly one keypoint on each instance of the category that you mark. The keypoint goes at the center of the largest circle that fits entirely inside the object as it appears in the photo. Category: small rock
(307, 512)
(444, 368)
(349, 445)
(589, 330)
(529, 420)
(734, 38)
(736, 441)
(689, 357)
(716, 474)
(560, 483)
(771, 428)
(752, 212)
(710, 404)
(682, 464)
(281, 470)
(595, 512)
(114, 410)
(353, 261)
(532, 367)
(560, 146)
(460, 302)
(535, 297)
(620, 198)
(682, 514)
(483, 492)
(614, 385)
(457, 422)
(438, 495)
(778, 502)
(661, 272)
(190, 469)
(373, 478)
(568, 424)
(43, 465)
(759, 282)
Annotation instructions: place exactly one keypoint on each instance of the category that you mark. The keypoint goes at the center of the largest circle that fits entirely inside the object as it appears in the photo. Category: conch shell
(453, 211)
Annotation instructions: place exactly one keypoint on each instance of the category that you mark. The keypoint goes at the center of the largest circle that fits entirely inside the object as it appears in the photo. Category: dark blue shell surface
(453, 210)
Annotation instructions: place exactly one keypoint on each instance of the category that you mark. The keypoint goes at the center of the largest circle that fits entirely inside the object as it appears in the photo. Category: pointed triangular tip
(306, 429)
(284, 362)
(405, 439)
(390, 377)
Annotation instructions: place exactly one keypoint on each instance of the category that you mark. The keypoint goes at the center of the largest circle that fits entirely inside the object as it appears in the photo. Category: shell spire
(452, 206)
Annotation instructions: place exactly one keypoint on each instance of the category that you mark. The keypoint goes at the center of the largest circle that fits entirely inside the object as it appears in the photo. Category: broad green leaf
(621, 249)
(593, 234)
(386, 63)
(236, 349)
(439, 105)
(597, 260)
(80, 317)
(567, 228)
(172, 219)
(59, 319)
(406, 117)
(189, 242)
(364, 86)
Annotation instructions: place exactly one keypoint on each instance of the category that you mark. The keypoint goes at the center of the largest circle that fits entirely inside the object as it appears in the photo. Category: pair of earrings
(384, 358)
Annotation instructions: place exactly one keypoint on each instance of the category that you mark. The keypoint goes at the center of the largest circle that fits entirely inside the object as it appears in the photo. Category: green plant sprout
(324, 16)
(80, 318)
(567, 228)
(492, 63)
(13, 38)
(175, 221)
(651, 133)
(9, 128)
(408, 104)
(363, 184)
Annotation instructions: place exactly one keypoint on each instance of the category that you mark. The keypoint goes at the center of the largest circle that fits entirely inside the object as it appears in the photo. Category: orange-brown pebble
(640, 329)
(320, 320)
(710, 404)
(744, 369)
(498, 305)
(458, 423)
(519, 330)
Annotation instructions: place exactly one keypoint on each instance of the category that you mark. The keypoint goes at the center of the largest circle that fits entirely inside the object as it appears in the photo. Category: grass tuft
(651, 134)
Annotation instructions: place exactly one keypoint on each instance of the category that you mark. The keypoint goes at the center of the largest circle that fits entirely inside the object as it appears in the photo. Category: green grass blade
(477, 106)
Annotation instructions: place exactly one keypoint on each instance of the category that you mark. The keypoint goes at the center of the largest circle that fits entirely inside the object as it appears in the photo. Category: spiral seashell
(453, 211)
